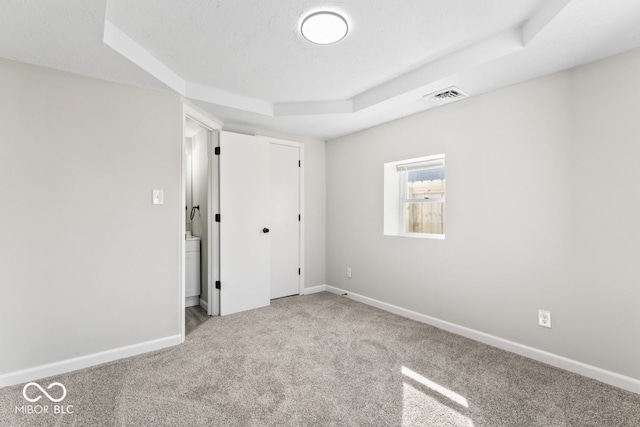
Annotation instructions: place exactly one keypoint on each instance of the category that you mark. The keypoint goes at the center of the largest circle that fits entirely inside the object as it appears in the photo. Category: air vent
(446, 96)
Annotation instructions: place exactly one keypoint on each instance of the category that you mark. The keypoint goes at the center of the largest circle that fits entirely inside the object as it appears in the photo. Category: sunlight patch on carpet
(435, 387)
(421, 408)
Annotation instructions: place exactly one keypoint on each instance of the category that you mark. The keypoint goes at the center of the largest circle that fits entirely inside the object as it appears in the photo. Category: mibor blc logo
(56, 394)
(36, 385)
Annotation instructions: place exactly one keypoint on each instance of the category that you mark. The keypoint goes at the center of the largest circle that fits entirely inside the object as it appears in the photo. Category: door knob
(265, 230)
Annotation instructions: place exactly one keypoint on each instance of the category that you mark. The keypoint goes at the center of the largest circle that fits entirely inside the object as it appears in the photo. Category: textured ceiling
(66, 35)
(265, 56)
(245, 63)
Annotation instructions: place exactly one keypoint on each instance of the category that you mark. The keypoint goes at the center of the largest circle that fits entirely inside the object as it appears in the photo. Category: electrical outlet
(349, 272)
(544, 318)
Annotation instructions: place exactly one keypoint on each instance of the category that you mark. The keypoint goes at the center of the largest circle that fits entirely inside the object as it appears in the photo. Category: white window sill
(419, 235)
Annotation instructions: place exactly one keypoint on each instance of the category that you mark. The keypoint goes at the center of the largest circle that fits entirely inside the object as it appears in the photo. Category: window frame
(402, 174)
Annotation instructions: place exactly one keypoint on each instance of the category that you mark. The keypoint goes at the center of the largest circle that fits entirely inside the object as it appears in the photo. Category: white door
(244, 223)
(285, 222)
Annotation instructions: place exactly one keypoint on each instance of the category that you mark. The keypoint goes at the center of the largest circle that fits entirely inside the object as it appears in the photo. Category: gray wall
(542, 212)
(87, 263)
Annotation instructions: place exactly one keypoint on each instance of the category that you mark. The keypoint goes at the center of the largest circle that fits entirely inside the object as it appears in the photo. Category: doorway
(255, 184)
(199, 237)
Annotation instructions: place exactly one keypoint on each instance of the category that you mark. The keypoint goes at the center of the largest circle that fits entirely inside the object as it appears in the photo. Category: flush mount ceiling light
(324, 27)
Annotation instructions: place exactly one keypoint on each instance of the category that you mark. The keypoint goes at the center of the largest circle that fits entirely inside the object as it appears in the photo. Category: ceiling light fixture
(324, 27)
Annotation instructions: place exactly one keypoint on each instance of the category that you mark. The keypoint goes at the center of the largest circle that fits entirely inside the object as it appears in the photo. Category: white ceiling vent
(446, 96)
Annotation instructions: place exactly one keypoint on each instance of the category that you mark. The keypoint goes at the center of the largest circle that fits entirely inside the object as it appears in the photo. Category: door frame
(194, 113)
(301, 239)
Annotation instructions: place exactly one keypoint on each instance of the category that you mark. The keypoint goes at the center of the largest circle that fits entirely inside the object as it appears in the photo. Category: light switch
(158, 197)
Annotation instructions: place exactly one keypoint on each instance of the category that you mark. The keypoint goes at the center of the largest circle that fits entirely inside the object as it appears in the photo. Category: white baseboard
(608, 377)
(314, 289)
(204, 305)
(76, 363)
(191, 301)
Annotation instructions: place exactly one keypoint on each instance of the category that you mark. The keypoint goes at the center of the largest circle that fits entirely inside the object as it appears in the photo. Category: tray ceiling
(246, 63)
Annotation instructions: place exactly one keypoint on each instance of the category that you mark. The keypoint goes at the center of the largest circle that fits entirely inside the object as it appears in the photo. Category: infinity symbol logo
(64, 392)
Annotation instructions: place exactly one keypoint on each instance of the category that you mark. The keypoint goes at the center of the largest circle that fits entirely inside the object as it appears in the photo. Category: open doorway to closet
(199, 236)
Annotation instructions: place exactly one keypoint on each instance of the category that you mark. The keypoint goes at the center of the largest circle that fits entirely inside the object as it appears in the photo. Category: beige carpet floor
(326, 360)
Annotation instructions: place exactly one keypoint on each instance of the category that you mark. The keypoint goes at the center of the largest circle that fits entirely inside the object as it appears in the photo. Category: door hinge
(299, 217)
(217, 284)
(216, 151)
(298, 272)
(217, 217)
(299, 164)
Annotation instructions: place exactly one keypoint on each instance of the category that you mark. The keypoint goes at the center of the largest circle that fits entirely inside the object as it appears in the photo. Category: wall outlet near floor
(349, 272)
(544, 318)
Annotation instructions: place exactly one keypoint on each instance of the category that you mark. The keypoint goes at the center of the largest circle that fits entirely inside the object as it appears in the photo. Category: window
(416, 207)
